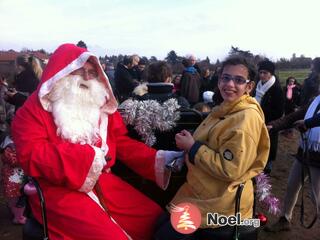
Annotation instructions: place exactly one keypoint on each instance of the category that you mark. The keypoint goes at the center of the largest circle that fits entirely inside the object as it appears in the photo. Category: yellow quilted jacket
(233, 147)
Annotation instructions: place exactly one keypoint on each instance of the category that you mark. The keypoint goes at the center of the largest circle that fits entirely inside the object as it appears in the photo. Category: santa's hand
(162, 172)
(174, 160)
(95, 170)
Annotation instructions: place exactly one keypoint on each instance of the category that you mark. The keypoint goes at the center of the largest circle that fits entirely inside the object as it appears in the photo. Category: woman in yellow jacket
(230, 147)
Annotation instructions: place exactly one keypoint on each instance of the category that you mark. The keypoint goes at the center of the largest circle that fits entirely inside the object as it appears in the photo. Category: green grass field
(299, 74)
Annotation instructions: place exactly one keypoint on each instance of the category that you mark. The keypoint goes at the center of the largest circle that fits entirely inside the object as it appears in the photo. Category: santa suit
(65, 170)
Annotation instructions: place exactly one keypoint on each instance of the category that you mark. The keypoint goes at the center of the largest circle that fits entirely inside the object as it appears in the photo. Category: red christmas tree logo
(185, 218)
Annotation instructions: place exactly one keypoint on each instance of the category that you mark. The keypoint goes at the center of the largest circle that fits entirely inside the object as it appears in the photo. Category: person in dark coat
(206, 84)
(307, 120)
(139, 72)
(270, 96)
(159, 86)
(292, 93)
(217, 98)
(190, 82)
(26, 81)
(311, 84)
(124, 81)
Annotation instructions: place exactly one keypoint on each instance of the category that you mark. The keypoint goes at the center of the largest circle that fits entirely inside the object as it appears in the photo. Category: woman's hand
(184, 140)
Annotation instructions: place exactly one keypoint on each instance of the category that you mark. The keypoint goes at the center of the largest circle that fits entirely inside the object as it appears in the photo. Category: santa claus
(68, 135)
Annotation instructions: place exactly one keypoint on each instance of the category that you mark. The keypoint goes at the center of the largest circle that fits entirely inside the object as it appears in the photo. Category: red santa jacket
(44, 155)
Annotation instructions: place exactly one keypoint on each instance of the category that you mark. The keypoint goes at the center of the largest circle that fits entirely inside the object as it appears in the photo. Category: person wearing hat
(68, 135)
(269, 95)
(208, 98)
(124, 79)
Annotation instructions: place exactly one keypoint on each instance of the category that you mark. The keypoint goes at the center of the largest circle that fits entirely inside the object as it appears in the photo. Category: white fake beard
(76, 107)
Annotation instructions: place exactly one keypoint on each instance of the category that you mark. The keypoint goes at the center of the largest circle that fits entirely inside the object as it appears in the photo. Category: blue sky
(273, 28)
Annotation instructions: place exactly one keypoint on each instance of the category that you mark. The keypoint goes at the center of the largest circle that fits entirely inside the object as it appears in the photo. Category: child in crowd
(12, 178)
(202, 107)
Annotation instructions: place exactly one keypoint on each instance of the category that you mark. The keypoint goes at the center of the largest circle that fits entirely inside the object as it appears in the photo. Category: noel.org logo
(185, 217)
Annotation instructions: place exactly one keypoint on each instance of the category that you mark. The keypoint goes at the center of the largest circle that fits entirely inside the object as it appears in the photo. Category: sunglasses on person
(225, 78)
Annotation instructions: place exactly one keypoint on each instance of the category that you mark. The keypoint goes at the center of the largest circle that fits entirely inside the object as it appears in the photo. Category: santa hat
(66, 59)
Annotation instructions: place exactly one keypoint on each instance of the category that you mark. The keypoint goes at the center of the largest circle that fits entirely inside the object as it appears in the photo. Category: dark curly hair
(159, 72)
(240, 61)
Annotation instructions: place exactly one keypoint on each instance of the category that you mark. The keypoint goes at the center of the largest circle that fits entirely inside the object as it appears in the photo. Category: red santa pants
(74, 215)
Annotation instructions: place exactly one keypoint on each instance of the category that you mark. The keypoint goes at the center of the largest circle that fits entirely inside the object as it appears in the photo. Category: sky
(273, 28)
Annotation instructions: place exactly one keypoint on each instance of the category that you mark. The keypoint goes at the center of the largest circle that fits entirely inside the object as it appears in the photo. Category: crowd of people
(26, 80)
(62, 127)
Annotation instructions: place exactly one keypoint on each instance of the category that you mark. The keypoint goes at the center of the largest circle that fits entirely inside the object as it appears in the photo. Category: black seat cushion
(227, 233)
(32, 230)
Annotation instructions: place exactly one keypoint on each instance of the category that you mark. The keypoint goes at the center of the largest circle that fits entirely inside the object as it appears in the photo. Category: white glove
(174, 160)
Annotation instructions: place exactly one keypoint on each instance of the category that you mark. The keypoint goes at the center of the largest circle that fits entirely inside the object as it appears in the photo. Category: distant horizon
(158, 58)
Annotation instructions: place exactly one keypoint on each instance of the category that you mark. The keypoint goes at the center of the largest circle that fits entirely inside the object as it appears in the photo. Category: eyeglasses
(91, 73)
(225, 78)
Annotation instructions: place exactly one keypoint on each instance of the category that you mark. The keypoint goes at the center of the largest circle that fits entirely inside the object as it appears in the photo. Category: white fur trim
(103, 130)
(96, 200)
(47, 85)
(162, 173)
(141, 89)
(95, 171)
